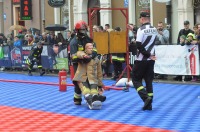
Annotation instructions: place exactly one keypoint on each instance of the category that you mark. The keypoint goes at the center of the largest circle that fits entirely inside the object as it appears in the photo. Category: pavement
(40, 107)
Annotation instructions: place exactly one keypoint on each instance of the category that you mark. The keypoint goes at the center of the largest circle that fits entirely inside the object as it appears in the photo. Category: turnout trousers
(143, 70)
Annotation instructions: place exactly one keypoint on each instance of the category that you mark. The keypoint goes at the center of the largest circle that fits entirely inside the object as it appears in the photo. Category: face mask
(81, 33)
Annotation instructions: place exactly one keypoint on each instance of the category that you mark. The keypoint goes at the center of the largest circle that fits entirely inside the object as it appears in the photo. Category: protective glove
(86, 60)
(100, 89)
(94, 54)
(34, 59)
(28, 61)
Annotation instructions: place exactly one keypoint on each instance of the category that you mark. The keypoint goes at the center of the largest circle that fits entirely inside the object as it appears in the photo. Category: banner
(61, 63)
(57, 57)
(16, 57)
(171, 59)
(25, 53)
(5, 60)
(177, 60)
(52, 57)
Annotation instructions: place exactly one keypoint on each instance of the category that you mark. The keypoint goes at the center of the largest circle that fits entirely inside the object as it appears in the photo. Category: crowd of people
(27, 37)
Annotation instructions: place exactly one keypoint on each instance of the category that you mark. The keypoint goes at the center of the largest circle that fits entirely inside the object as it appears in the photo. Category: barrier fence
(171, 59)
(53, 57)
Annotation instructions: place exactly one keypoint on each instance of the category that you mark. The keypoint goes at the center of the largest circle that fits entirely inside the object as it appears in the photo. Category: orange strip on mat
(18, 119)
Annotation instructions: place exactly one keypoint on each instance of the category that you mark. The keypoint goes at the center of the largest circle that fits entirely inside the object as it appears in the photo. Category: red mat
(18, 119)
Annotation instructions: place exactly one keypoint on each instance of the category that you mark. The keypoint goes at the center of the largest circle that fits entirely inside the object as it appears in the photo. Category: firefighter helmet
(80, 25)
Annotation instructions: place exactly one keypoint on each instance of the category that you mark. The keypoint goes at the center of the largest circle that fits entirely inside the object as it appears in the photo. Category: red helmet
(80, 25)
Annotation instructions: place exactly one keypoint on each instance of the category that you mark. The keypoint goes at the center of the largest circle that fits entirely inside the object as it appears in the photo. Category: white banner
(177, 60)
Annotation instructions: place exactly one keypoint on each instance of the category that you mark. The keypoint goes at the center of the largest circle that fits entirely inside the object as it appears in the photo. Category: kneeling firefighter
(35, 57)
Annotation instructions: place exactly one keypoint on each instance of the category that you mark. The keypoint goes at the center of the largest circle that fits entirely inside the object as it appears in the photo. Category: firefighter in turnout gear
(77, 44)
(89, 77)
(117, 59)
(35, 57)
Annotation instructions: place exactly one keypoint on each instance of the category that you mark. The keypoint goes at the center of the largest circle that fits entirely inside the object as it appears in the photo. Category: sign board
(56, 3)
(126, 3)
(26, 9)
(163, 1)
(16, 2)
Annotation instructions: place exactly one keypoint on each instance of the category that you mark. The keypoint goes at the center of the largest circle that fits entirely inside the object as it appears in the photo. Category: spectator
(60, 39)
(163, 34)
(10, 42)
(94, 29)
(100, 29)
(51, 38)
(68, 40)
(182, 40)
(162, 39)
(3, 39)
(29, 32)
(30, 40)
(17, 41)
(184, 32)
(25, 41)
(37, 37)
(44, 38)
(191, 40)
(131, 38)
(69, 36)
(107, 28)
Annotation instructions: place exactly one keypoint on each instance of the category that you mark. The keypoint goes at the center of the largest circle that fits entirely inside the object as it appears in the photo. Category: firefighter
(35, 57)
(89, 77)
(117, 59)
(77, 44)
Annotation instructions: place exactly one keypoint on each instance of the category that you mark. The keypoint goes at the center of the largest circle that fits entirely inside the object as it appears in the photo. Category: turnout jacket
(91, 70)
(35, 53)
(77, 44)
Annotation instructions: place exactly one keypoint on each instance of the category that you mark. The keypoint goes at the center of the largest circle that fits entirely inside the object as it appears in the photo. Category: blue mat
(175, 106)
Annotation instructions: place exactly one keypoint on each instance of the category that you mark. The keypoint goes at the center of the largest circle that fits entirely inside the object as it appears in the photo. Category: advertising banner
(57, 57)
(171, 59)
(5, 56)
(177, 60)
(25, 53)
(16, 57)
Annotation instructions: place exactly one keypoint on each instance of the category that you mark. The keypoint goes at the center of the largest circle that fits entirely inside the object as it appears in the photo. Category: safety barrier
(171, 59)
(53, 57)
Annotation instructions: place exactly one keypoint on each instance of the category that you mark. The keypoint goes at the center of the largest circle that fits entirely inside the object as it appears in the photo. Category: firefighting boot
(101, 98)
(144, 96)
(94, 92)
(42, 72)
(29, 73)
(147, 104)
(89, 100)
(77, 99)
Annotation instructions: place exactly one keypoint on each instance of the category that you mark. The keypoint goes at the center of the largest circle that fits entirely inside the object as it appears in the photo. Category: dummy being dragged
(89, 77)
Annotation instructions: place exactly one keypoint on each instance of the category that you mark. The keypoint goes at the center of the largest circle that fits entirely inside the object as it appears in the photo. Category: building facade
(172, 13)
